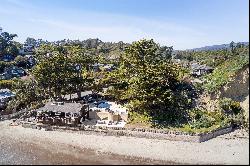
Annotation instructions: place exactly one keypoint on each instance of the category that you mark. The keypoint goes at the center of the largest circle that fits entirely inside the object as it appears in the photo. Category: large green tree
(149, 82)
(61, 69)
(7, 45)
(27, 95)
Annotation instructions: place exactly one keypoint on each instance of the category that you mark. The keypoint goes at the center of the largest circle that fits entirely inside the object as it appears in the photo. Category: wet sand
(17, 153)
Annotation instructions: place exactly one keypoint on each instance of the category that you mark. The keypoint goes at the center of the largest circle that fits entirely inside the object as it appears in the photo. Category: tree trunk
(79, 92)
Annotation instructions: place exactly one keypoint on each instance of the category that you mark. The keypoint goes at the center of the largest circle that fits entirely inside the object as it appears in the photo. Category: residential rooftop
(65, 107)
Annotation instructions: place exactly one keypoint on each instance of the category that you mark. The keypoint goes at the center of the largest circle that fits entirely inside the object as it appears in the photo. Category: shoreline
(60, 154)
(124, 150)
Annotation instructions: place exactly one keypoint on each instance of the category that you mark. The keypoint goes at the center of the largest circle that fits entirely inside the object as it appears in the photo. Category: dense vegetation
(225, 72)
(7, 45)
(145, 79)
(62, 70)
(148, 81)
(225, 62)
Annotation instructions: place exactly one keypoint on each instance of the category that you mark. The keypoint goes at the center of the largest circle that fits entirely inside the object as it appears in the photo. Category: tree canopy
(7, 45)
(62, 69)
(148, 80)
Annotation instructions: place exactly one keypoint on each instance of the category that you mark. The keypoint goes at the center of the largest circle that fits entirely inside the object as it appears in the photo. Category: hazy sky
(179, 23)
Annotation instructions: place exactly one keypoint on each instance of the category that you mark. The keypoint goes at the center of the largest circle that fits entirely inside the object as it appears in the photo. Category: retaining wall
(14, 115)
(135, 132)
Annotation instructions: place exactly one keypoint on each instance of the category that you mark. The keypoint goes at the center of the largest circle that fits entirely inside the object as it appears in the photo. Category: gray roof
(66, 107)
(196, 66)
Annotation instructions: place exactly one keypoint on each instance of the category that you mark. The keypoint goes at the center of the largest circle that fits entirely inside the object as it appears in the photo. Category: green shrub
(201, 119)
(230, 106)
(233, 111)
(225, 72)
(135, 117)
(36, 104)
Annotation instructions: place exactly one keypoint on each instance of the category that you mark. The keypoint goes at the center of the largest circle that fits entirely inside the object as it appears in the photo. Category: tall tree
(232, 46)
(7, 45)
(148, 81)
(61, 69)
(30, 41)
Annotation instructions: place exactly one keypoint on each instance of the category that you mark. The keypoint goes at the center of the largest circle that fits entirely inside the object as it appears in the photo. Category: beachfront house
(61, 113)
(90, 109)
(108, 114)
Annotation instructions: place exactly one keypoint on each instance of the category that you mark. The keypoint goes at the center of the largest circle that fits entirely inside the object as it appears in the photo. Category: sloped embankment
(237, 89)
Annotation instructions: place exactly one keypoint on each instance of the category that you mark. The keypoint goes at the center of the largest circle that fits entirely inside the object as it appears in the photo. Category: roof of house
(196, 66)
(6, 93)
(66, 107)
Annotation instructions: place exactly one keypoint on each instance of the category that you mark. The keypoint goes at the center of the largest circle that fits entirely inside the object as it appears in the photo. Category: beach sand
(20, 145)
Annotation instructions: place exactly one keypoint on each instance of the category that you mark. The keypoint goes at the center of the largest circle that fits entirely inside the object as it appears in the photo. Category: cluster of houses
(14, 71)
(27, 49)
(7, 58)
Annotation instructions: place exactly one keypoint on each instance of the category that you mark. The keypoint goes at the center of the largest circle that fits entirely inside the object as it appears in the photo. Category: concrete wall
(136, 132)
(107, 116)
(124, 117)
(150, 133)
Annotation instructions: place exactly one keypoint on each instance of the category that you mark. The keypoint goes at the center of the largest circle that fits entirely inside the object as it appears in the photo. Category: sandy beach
(29, 146)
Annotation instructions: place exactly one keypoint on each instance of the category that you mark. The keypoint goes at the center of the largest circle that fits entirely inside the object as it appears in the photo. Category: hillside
(227, 70)
(215, 47)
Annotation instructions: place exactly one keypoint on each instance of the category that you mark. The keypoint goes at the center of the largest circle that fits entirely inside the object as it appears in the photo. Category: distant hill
(215, 47)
